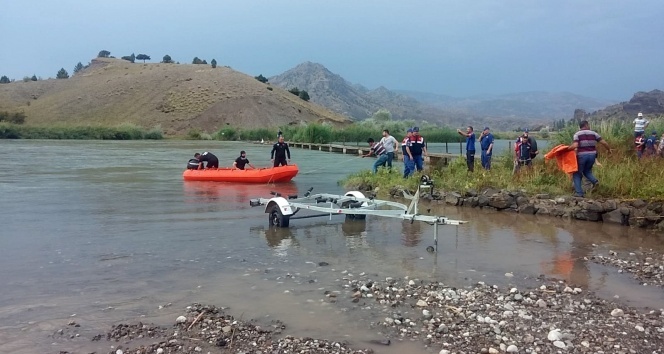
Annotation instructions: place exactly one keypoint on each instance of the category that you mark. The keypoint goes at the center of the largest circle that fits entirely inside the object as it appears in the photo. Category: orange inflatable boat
(258, 175)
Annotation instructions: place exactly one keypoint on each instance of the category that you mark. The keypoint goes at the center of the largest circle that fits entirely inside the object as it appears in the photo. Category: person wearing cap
(470, 147)
(531, 142)
(241, 161)
(651, 144)
(416, 148)
(486, 144)
(640, 125)
(406, 156)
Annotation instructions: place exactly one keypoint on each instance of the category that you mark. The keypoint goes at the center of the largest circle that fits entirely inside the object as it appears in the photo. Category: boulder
(471, 193)
(638, 203)
(610, 205)
(520, 200)
(542, 196)
(482, 200)
(592, 206)
(501, 201)
(615, 217)
(452, 198)
(527, 209)
(474, 202)
(585, 214)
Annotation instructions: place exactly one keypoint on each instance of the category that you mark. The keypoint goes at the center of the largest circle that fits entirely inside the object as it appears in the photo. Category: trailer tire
(346, 205)
(277, 218)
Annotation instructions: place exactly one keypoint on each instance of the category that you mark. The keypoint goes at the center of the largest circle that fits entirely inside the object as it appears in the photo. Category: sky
(606, 49)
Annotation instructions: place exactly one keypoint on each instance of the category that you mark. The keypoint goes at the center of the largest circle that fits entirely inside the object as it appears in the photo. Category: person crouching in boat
(241, 161)
(279, 152)
(209, 158)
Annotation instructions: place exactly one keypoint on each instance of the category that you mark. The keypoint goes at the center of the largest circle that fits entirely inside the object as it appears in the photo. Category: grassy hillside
(177, 97)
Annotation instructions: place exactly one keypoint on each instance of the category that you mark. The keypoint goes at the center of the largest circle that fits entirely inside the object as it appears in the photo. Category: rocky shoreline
(636, 213)
(543, 316)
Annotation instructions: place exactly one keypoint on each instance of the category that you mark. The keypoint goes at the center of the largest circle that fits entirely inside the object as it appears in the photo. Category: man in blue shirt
(486, 143)
(415, 148)
(470, 147)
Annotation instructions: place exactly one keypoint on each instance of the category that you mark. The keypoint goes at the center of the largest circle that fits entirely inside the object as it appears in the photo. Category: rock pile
(646, 266)
(488, 319)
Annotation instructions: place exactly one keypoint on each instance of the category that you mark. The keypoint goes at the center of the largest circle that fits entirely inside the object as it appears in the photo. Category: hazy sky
(599, 48)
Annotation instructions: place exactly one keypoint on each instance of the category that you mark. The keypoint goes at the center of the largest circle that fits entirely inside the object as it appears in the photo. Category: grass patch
(121, 132)
(621, 174)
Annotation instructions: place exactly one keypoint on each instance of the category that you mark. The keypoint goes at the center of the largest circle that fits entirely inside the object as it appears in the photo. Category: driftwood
(196, 320)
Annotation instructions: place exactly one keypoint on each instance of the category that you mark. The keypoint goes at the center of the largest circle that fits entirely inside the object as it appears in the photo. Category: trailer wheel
(346, 205)
(277, 219)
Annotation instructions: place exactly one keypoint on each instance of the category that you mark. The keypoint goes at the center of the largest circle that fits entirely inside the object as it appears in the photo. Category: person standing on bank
(533, 144)
(279, 153)
(470, 147)
(241, 161)
(640, 125)
(585, 142)
(390, 144)
(486, 144)
(406, 156)
(378, 150)
(416, 148)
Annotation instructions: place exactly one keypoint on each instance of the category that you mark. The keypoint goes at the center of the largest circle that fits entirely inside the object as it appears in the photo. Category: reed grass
(124, 131)
(620, 173)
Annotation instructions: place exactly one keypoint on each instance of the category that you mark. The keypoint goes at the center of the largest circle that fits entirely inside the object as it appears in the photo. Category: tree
(167, 59)
(62, 74)
(382, 115)
(131, 58)
(304, 95)
(78, 67)
(26, 78)
(204, 62)
(4, 79)
(213, 63)
(143, 57)
(295, 91)
(197, 61)
(261, 78)
(34, 77)
(104, 54)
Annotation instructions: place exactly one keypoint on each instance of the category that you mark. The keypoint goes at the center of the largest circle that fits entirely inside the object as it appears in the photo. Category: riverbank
(79, 132)
(546, 317)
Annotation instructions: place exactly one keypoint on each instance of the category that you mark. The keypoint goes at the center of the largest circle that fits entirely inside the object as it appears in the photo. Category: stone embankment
(637, 212)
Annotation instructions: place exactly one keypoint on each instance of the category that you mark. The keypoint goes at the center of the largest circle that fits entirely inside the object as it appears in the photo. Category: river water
(104, 232)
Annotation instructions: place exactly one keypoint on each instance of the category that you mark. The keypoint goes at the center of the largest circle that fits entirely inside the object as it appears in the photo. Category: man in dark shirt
(241, 161)
(279, 153)
(209, 158)
(470, 147)
(415, 148)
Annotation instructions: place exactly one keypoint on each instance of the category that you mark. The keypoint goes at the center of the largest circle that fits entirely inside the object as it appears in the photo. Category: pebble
(554, 335)
(493, 351)
(617, 313)
(160, 351)
(639, 328)
(421, 303)
(181, 319)
(119, 351)
(512, 349)
(509, 275)
(559, 344)
(444, 351)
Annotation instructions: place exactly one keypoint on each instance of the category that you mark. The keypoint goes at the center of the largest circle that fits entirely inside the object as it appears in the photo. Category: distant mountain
(649, 103)
(536, 105)
(334, 92)
(499, 111)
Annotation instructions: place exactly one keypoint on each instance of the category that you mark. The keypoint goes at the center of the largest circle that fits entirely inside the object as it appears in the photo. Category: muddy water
(104, 232)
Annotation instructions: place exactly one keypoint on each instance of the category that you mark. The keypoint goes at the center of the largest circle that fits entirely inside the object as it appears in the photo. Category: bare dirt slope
(178, 97)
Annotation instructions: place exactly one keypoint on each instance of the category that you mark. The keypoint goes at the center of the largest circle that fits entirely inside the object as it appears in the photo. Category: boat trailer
(353, 204)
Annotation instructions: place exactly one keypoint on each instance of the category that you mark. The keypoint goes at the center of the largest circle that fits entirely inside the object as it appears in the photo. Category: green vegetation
(142, 57)
(120, 132)
(4, 80)
(198, 61)
(15, 118)
(33, 78)
(261, 78)
(304, 95)
(295, 91)
(213, 63)
(104, 54)
(167, 59)
(620, 173)
(78, 67)
(130, 58)
(62, 74)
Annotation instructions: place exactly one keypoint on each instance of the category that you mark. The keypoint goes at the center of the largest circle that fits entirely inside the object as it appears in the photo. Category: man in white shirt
(390, 144)
(640, 125)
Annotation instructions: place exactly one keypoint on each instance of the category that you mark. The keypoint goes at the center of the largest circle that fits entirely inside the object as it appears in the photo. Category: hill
(649, 103)
(178, 97)
(334, 92)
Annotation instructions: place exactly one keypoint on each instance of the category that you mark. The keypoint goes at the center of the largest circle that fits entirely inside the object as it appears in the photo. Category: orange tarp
(566, 159)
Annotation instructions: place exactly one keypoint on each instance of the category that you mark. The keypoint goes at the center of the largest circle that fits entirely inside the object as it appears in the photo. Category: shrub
(295, 91)
(142, 57)
(15, 118)
(213, 63)
(62, 74)
(78, 67)
(227, 133)
(167, 59)
(261, 78)
(103, 54)
(304, 95)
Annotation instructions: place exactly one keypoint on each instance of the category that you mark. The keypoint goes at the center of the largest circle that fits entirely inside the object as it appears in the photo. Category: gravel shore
(645, 265)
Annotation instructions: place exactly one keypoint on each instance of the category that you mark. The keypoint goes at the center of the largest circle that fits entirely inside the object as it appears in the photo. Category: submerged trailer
(354, 205)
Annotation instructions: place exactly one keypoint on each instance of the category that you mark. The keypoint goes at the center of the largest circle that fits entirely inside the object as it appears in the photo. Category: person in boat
(241, 161)
(280, 152)
(211, 161)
